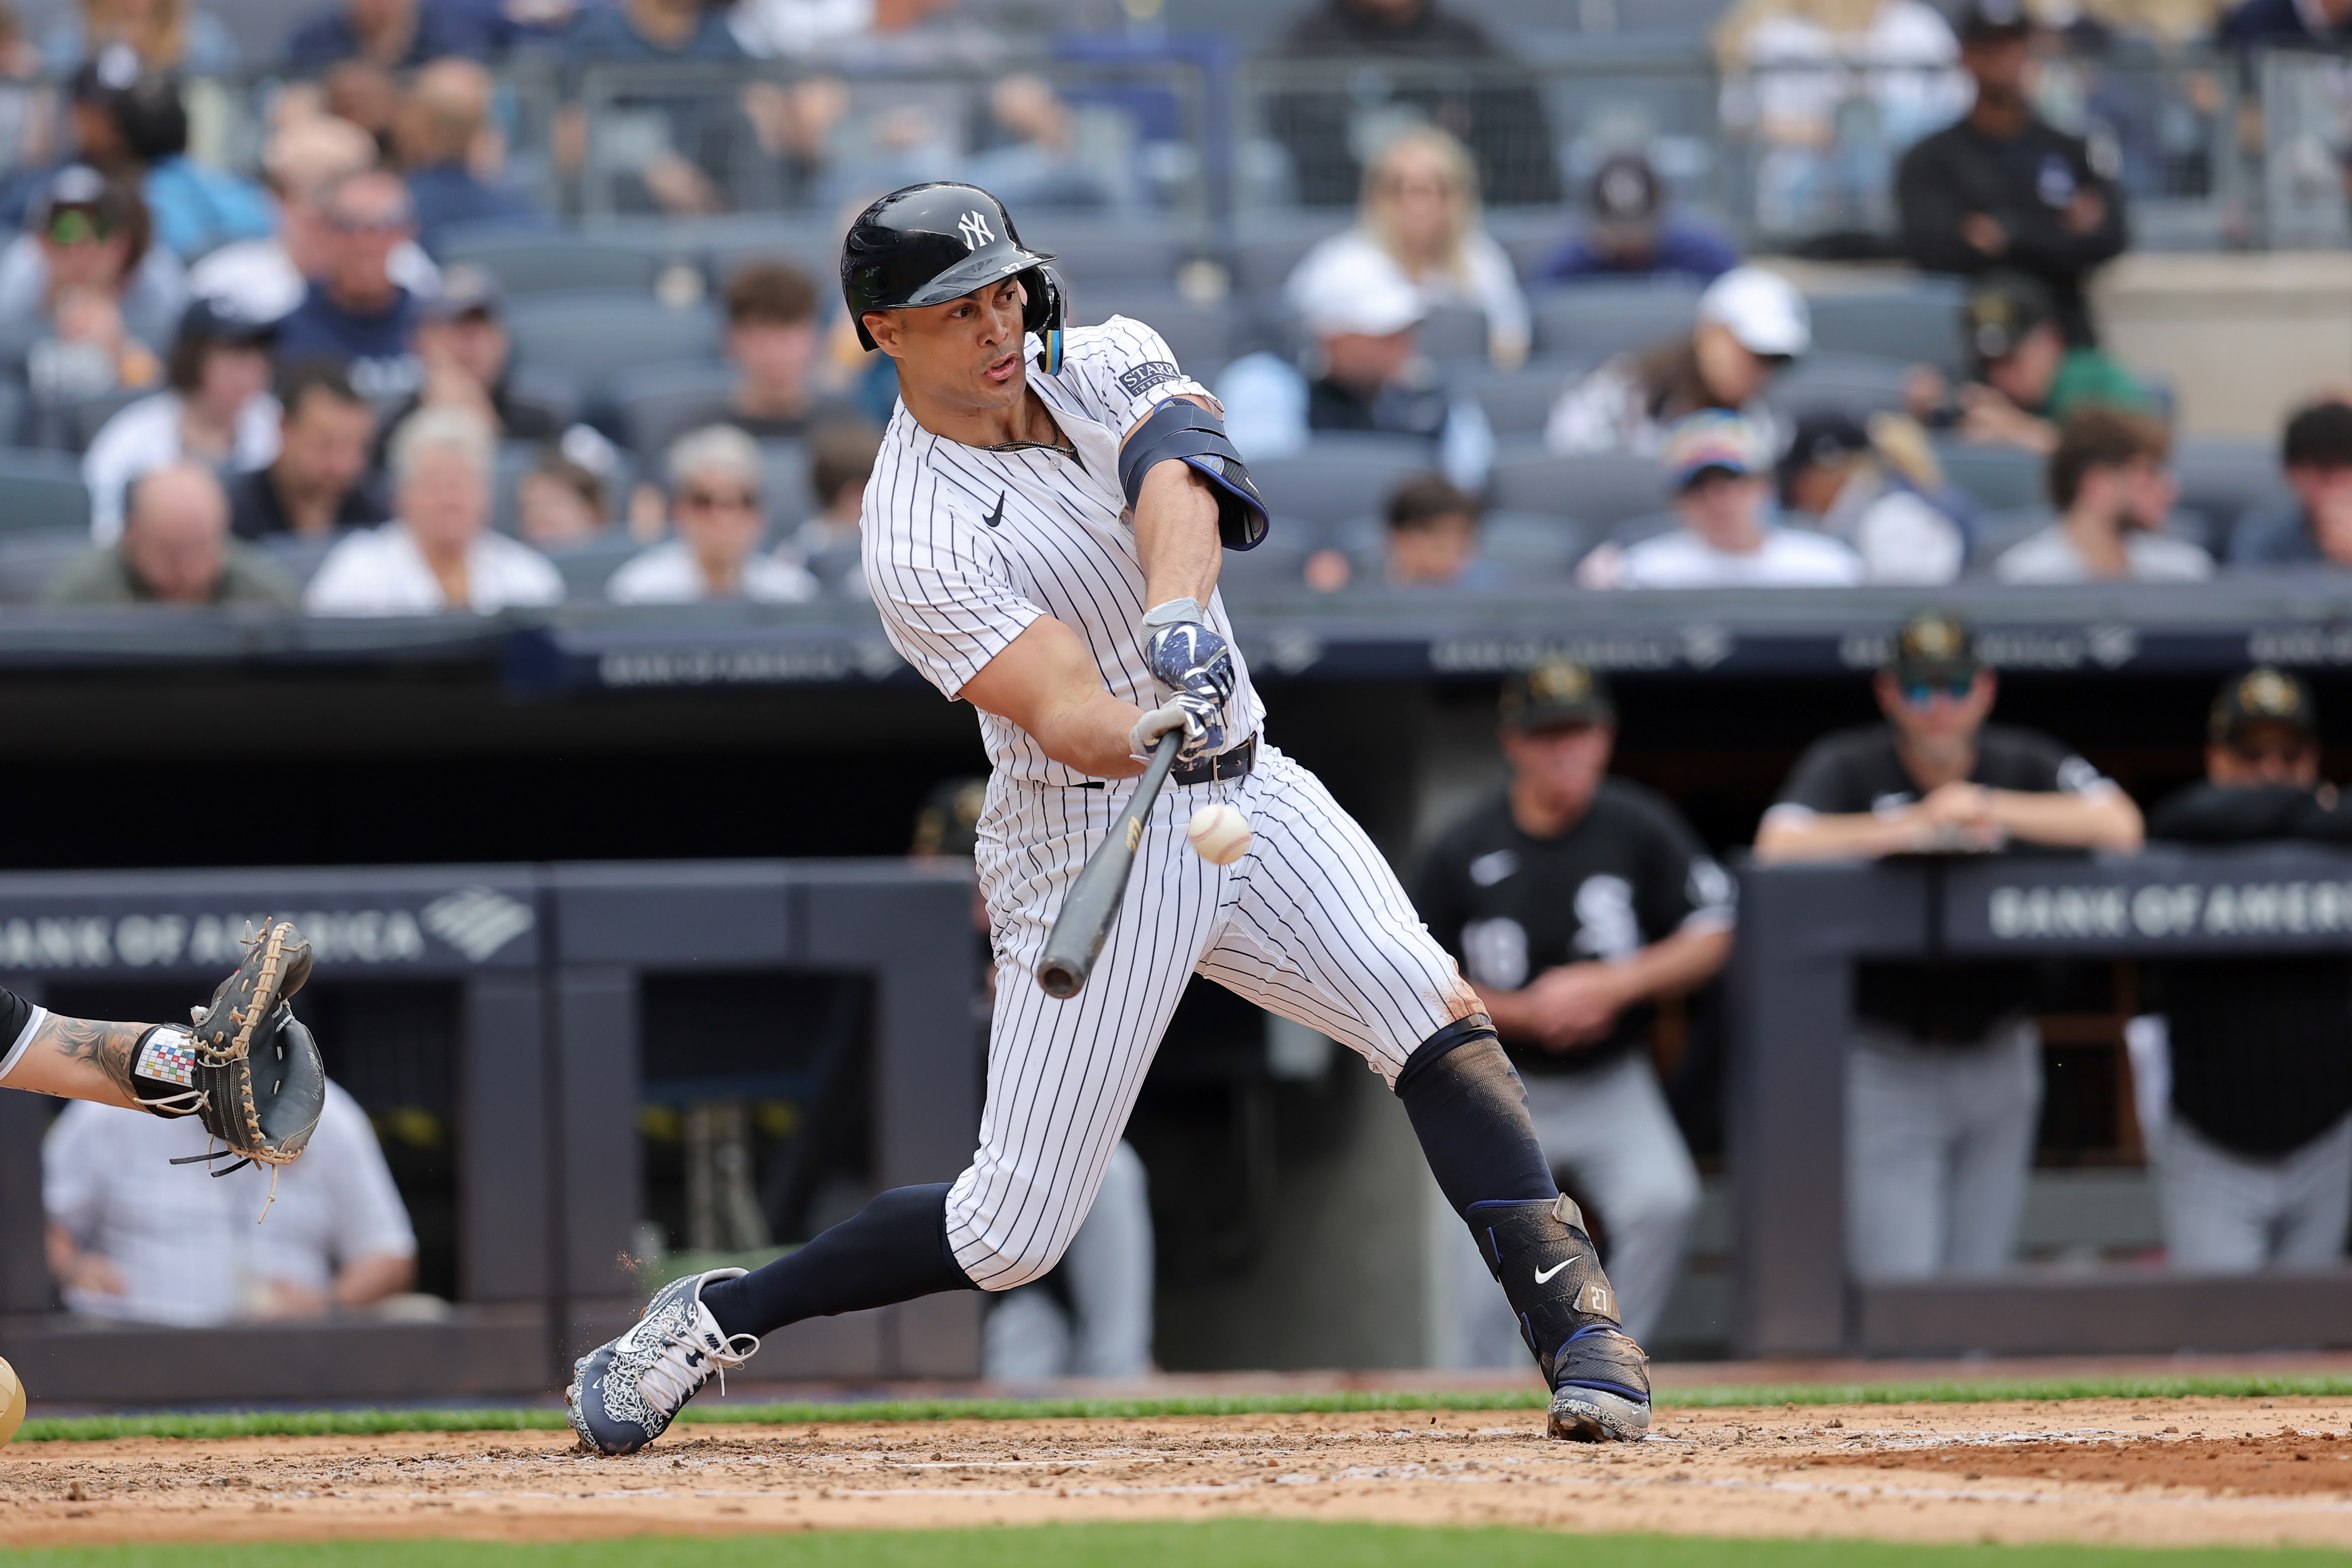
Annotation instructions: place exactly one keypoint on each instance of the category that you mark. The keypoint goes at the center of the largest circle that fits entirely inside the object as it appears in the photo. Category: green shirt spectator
(175, 548)
(2027, 382)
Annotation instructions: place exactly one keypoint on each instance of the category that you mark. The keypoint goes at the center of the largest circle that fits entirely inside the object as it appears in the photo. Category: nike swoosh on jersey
(1544, 1276)
(993, 518)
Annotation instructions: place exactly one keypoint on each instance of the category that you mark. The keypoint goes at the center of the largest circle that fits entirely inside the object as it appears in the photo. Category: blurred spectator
(391, 34)
(320, 482)
(2003, 188)
(1752, 324)
(675, 143)
(715, 475)
(1876, 489)
(1501, 120)
(469, 357)
(440, 134)
(165, 35)
(264, 278)
(2317, 529)
(1365, 373)
(1575, 903)
(1944, 1068)
(438, 553)
(2028, 381)
(772, 337)
(770, 29)
(366, 96)
(841, 461)
(1420, 212)
(2287, 22)
(1430, 541)
(561, 503)
(652, 30)
(83, 298)
(174, 548)
(215, 408)
(1628, 232)
(194, 207)
(2112, 484)
(1721, 472)
(1830, 89)
(130, 1237)
(354, 310)
(1039, 166)
(2253, 1162)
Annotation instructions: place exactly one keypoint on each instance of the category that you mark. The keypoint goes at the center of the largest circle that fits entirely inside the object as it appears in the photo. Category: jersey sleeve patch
(1138, 380)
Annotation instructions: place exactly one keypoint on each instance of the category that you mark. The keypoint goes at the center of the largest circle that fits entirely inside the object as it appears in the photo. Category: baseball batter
(1042, 534)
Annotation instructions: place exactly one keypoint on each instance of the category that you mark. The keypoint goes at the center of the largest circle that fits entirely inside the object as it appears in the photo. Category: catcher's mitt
(245, 1066)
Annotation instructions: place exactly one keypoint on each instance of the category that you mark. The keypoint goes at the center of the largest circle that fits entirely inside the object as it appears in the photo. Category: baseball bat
(1092, 907)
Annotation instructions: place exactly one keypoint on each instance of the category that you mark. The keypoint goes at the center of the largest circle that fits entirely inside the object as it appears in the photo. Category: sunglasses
(1921, 695)
(714, 500)
(80, 225)
(388, 223)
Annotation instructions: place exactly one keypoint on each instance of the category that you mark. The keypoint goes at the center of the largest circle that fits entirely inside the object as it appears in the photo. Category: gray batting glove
(1179, 713)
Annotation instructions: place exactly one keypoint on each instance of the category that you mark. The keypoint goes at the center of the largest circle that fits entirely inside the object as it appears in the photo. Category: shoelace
(672, 1377)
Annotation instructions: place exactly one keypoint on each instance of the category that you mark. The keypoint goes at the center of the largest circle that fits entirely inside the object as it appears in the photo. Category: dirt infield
(2166, 1472)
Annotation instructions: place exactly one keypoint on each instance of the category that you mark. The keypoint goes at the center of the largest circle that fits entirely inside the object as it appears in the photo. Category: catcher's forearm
(79, 1059)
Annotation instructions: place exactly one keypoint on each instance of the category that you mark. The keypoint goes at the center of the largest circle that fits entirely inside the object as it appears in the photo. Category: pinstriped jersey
(964, 547)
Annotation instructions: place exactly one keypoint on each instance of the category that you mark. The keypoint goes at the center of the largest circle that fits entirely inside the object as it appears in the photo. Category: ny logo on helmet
(974, 229)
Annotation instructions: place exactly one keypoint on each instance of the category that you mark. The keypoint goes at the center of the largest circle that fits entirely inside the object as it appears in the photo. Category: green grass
(1229, 1544)
(359, 1423)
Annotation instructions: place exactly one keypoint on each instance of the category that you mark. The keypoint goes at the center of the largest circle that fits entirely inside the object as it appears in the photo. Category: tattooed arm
(78, 1059)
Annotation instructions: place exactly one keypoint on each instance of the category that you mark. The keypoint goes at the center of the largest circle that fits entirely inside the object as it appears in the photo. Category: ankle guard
(1545, 1261)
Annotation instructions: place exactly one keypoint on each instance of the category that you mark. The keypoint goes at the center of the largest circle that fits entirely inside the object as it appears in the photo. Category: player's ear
(882, 326)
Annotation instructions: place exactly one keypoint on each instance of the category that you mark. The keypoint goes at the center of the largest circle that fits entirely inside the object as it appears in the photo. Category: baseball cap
(1556, 692)
(1994, 21)
(465, 291)
(1762, 309)
(78, 185)
(1822, 438)
(1355, 288)
(1714, 442)
(2002, 309)
(2263, 695)
(1624, 189)
(1935, 648)
(212, 322)
(948, 823)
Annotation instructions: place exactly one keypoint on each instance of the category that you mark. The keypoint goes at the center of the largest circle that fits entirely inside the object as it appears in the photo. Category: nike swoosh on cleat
(1544, 1276)
(993, 518)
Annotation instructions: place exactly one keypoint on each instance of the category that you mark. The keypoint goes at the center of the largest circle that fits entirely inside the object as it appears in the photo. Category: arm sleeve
(2039, 240)
(945, 600)
(1682, 887)
(1122, 369)
(2068, 773)
(2207, 814)
(1931, 203)
(18, 1020)
(1817, 783)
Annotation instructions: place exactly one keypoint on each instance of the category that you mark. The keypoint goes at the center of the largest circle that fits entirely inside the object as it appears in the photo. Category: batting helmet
(929, 244)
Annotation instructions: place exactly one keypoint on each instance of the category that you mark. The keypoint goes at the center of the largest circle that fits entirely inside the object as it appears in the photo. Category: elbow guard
(1189, 434)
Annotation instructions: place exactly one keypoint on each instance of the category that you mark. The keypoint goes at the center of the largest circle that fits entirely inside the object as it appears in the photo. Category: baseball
(12, 1403)
(1219, 834)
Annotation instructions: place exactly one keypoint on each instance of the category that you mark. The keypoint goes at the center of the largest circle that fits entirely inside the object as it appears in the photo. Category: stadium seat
(41, 491)
(655, 404)
(785, 484)
(1455, 334)
(1997, 531)
(1918, 324)
(1998, 479)
(299, 554)
(1268, 250)
(1612, 318)
(1339, 477)
(84, 420)
(1201, 336)
(544, 261)
(1855, 385)
(592, 337)
(589, 565)
(2226, 477)
(516, 458)
(730, 244)
(1519, 402)
(1090, 253)
(1633, 530)
(1276, 566)
(1599, 491)
(1526, 541)
(30, 562)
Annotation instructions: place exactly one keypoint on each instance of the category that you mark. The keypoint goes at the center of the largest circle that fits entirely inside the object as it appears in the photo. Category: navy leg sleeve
(1470, 1114)
(893, 1249)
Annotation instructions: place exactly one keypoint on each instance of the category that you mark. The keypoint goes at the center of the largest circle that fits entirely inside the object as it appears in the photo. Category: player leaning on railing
(245, 1065)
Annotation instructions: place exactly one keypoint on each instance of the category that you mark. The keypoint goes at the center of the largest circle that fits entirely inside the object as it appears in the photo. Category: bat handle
(1062, 974)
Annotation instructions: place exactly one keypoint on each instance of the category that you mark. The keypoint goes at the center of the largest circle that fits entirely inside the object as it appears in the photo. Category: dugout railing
(1803, 929)
(548, 964)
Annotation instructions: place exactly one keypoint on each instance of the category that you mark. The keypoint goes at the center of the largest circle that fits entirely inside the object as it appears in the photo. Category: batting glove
(1194, 670)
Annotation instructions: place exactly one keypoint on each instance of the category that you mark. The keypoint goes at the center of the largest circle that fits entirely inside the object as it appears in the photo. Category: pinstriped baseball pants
(1310, 923)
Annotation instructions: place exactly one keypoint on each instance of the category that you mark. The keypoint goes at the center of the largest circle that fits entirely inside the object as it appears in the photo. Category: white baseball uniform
(964, 547)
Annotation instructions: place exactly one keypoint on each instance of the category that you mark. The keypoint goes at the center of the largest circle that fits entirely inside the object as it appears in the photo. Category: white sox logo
(974, 229)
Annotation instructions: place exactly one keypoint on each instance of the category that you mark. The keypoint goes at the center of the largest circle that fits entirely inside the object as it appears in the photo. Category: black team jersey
(1508, 906)
(1859, 771)
(2262, 1048)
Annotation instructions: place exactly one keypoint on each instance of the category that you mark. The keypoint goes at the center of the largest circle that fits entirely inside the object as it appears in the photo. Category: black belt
(1233, 763)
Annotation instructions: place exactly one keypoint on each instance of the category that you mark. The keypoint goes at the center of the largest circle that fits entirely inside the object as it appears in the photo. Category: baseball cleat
(626, 1393)
(1544, 1258)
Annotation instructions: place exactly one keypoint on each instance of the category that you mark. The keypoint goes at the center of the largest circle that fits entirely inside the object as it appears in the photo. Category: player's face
(965, 352)
(1933, 713)
(2263, 754)
(1561, 764)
